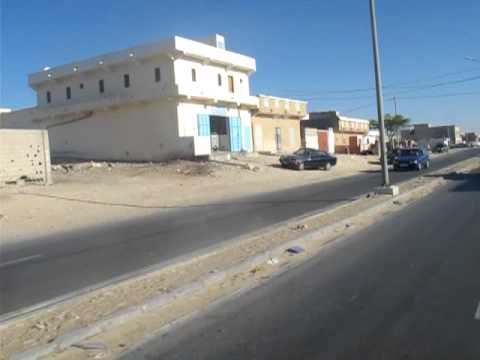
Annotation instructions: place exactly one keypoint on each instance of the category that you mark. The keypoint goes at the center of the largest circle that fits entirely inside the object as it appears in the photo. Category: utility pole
(378, 79)
(395, 103)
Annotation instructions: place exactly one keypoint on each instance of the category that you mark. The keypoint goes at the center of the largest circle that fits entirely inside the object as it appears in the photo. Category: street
(43, 269)
(405, 288)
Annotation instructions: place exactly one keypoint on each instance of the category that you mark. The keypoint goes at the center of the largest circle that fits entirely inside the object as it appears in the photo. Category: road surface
(406, 288)
(44, 269)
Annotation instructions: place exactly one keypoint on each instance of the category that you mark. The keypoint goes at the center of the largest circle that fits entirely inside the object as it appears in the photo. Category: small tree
(393, 124)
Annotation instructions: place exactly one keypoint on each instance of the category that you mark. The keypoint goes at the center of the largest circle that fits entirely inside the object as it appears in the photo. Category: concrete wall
(145, 132)
(24, 154)
(206, 84)
(142, 82)
(264, 133)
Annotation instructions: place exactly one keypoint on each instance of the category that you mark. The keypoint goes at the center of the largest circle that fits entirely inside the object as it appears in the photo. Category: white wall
(207, 80)
(142, 82)
(138, 133)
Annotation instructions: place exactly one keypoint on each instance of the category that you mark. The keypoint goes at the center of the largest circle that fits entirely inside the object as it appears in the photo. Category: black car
(440, 148)
(306, 158)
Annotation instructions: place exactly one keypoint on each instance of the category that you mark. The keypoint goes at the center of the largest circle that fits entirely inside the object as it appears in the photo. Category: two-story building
(276, 124)
(349, 133)
(174, 98)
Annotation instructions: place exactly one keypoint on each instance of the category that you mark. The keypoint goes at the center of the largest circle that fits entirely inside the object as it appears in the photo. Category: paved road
(44, 269)
(405, 288)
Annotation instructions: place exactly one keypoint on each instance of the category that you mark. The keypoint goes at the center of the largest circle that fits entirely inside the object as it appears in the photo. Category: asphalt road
(406, 288)
(43, 269)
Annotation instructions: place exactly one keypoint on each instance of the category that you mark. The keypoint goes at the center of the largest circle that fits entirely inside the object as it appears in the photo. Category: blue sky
(318, 50)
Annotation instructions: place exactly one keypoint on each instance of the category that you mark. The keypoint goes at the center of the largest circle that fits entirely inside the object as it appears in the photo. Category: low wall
(24, 155)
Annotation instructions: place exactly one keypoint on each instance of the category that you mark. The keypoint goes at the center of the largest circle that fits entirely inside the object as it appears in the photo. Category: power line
(391, 86)
(369, 105)
(415, 89)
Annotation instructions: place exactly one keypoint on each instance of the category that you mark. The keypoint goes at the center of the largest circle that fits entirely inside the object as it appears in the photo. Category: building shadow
(466, 182)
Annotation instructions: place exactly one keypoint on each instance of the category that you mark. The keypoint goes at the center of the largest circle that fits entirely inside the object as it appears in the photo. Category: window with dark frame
(158, 75)
(81, 86)
(219, 79)
(231, 85)
(101, 86)
(194, 75)
(126, 80)
(68, 92)
(49, 97)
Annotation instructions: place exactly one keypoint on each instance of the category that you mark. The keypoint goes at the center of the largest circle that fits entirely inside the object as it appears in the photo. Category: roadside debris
(300, 227)
(272, 261)
(90, 346)
(295, 250)
(396, 202)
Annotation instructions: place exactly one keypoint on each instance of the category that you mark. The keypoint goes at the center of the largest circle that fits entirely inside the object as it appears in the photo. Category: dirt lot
(85, 193)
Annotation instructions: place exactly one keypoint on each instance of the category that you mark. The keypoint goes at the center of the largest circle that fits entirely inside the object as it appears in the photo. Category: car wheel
(301, 167)
(327, 166)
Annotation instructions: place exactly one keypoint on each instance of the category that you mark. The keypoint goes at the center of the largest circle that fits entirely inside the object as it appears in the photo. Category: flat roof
(173, 47)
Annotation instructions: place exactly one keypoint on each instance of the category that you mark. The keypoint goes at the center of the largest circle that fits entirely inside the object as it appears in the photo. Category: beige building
(276, 124)
(349, 132)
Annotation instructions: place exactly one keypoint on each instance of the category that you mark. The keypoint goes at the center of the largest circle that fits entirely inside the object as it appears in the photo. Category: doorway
(219, 133)
(278, 139)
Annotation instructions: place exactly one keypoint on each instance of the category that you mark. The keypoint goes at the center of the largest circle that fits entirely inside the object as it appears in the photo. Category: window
(219, 79)
(101, 86)
(194, 75)
(231, 85)
(126, 80)
(158, 75)
(49, 97)
(69, 92)
(81, 86)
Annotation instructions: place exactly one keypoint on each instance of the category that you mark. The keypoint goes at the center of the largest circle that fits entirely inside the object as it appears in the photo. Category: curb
(308, 238)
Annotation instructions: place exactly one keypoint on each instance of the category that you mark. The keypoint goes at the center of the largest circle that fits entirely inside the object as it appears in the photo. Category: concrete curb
(306, 239)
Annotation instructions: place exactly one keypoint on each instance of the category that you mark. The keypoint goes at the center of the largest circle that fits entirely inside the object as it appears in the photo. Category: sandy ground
(86, 193)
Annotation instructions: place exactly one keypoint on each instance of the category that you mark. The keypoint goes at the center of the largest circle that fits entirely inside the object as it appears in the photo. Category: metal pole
(395, 103)
(378, 79)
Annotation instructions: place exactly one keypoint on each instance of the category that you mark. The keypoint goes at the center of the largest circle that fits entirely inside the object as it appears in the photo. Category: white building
(174, 98)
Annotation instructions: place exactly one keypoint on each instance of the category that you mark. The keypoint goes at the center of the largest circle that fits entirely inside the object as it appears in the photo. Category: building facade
(276, 124)
(349, 133)
(427, 135)
(171, 99)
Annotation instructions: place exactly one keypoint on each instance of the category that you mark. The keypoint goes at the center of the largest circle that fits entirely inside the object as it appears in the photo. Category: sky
(316, 50)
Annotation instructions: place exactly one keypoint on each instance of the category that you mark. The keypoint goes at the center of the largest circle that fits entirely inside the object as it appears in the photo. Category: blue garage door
(203, 125)
(247, 137)
(235, 134)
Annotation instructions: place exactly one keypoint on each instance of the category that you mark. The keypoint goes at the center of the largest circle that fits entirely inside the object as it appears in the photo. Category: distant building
(3, 111)
(349, 133)
(170, 99)
(428, 135)
(276, 124)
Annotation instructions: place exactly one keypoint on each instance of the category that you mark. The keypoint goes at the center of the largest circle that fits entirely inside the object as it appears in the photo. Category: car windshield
(301, 151)
(409, 152)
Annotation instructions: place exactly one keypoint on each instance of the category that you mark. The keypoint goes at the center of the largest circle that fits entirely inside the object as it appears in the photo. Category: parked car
(417, 159)
(306, 158)
(391, 154)
(440, 148)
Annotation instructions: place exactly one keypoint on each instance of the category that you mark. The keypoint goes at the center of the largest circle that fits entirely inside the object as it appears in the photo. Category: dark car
(391, 154)
(440, 148)
(417, 159)
(306, 158)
